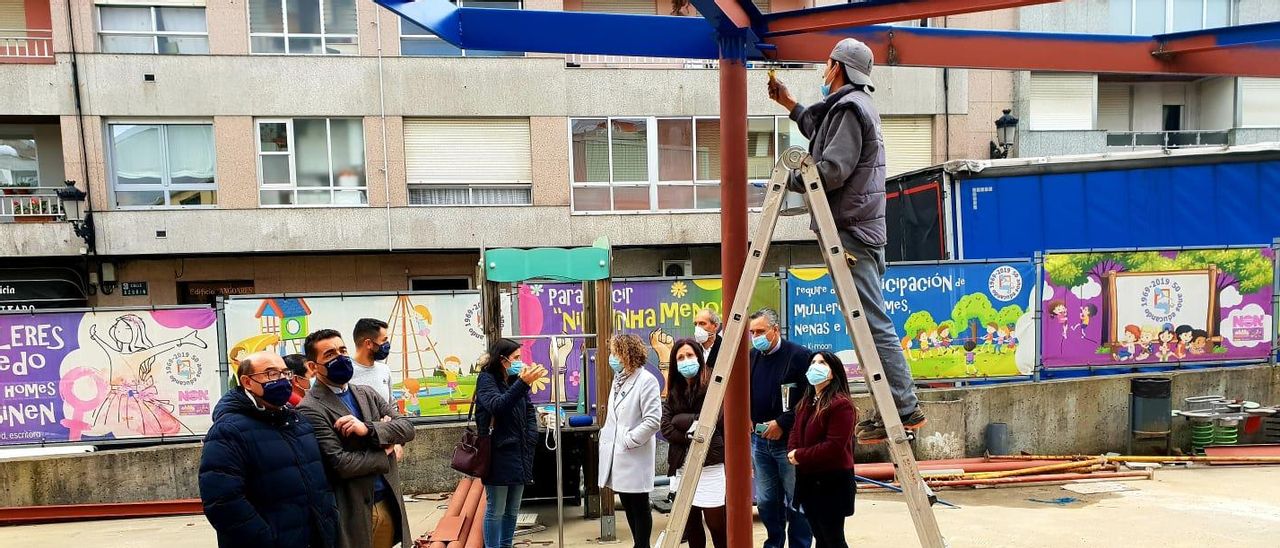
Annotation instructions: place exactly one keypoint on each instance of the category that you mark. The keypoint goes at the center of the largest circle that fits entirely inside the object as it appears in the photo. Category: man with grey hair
(262, 480)
(777, 384)
(706, 330)
(846, 144)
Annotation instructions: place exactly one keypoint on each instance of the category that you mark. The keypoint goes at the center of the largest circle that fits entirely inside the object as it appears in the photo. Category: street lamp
(1006, 131)
(73, 207)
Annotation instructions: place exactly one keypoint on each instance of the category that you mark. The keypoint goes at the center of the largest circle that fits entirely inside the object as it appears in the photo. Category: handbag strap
(493, 420)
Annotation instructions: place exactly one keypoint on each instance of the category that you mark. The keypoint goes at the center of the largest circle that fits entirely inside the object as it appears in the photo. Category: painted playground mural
(954, 321)
(120, 374)
(436, 339)
(659, 311)
(1157, 307)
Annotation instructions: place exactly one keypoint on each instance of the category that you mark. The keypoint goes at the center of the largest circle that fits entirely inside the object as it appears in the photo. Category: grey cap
(857, 59)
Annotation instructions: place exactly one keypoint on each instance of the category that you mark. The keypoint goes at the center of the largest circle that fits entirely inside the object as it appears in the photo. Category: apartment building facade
(264, 146)
(1095, 113)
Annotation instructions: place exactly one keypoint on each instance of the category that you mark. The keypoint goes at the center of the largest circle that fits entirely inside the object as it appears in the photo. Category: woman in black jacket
(502, 401)
(685, 391)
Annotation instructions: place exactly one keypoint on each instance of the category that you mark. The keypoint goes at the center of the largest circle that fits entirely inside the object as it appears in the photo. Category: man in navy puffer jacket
(261, 478)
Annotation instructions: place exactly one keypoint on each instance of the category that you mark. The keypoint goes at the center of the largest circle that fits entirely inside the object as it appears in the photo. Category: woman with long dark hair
(502, 401)
(821, 445)
(686, 389)
(627, 445)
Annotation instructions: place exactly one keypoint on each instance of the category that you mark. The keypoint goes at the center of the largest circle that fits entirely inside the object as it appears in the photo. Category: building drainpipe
(90, 239)
(733, 255)
(382, 120)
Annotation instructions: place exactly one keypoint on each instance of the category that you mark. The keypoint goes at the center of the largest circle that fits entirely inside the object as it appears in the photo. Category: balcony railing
(622, 61)
(1166, 139)
(26, 46)
(30, 205)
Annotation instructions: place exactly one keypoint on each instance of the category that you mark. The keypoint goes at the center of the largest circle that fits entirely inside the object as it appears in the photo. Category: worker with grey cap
(845, 141)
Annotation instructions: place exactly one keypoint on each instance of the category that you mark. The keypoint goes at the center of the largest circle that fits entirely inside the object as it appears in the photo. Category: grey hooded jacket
(845, 141)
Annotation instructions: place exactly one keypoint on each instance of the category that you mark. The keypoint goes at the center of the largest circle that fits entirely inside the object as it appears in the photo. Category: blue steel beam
(1254, 50)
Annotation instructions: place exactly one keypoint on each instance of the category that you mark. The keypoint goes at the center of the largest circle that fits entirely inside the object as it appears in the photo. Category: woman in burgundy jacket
(821, 446)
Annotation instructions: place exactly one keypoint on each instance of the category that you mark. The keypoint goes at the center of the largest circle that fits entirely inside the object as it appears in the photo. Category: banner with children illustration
(658, 311)
(436, 339)
(953, 320)
(1157, 307)
(107, 375)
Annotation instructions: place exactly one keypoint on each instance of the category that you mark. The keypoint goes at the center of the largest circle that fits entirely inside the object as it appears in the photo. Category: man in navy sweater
(777, 384)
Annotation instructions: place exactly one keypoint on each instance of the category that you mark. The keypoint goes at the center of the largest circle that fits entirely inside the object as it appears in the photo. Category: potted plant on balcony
(33, 209)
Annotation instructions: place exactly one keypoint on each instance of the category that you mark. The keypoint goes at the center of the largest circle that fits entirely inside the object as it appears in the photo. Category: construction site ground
(1217, 506)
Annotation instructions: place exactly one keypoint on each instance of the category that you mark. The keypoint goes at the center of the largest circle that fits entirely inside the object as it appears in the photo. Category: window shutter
(1062, 102)
(762, 5)
(13, 15)
(467, 150)
(162, 3)
(908, 143)
(1260, 102)
(1113, 107)
(636, 7)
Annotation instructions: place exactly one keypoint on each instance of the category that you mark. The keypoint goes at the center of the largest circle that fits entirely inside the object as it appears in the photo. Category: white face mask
(701, 335)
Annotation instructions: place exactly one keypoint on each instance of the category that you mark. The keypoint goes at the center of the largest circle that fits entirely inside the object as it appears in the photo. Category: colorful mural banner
(107, 375)
(436, 339)
(659, 311)
(954, 320)
(1157, 307)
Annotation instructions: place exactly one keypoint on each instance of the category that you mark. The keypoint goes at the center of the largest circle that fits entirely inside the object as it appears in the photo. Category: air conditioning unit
(677, 269)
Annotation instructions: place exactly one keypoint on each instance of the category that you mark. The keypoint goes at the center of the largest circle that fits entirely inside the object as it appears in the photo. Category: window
(1259, 102)
(665, 164)
(19, 164)
(468, 161)
(1148, 17)
(153, 29)
(162, 165)
(908, 143)
(311, 161)
(303, 27)
(1062, 102)
(417, 41)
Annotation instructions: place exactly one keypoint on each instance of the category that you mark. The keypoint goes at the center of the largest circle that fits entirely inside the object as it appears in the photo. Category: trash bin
(1150, 409)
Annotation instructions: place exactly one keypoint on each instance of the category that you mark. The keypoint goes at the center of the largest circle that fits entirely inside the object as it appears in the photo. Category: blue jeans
(501, 508)
(775, 484)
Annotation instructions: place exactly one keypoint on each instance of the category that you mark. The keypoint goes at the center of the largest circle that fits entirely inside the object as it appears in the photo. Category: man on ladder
(846, 145)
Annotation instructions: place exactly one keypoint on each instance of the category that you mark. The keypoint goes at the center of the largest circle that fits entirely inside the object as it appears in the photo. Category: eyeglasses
(272, 375)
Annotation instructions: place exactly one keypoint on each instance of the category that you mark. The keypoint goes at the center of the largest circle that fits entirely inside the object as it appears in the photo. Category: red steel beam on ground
(1004, 50)
(112, 510)
(854, 15)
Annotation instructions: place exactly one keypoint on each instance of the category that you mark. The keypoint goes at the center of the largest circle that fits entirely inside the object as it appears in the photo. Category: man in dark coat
(357, 431)
(262, 480)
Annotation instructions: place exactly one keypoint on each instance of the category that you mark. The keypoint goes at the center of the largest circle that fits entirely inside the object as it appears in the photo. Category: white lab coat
(627, 444)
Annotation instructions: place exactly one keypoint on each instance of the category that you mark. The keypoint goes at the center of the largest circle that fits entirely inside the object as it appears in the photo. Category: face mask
(760, 342)
(826, 90)
(701, 335)
(277, 392)
(339, 370)
(383, 351)
(515, 368)
(615, 363)
(817, 373)
(688, 368)
(311, 383)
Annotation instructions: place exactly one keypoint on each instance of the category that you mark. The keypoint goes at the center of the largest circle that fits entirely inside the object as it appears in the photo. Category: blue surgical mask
(817, 373)
(515, 368)
(311, 383)
(277, 392)
(383, 351)
(340, 369)
(760, 342)
(615, 364)
(688, 368)
(826, 90)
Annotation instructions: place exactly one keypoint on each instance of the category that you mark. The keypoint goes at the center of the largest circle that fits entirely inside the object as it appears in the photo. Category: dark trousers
(639, 519)
(715, 519)
(827, 527)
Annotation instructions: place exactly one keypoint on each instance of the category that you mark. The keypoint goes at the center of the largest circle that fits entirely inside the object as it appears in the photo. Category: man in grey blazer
(358, 432)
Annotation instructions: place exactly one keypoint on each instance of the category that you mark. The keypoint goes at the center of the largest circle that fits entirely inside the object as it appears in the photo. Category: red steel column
(733, 255)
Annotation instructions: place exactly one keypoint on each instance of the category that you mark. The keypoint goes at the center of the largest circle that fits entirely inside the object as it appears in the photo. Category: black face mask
(383, 351)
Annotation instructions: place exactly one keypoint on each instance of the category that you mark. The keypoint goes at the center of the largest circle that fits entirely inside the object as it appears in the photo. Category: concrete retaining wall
(1071, 416)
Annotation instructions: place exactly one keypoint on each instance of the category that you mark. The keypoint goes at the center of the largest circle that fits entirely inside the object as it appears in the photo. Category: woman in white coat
(627, 444)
